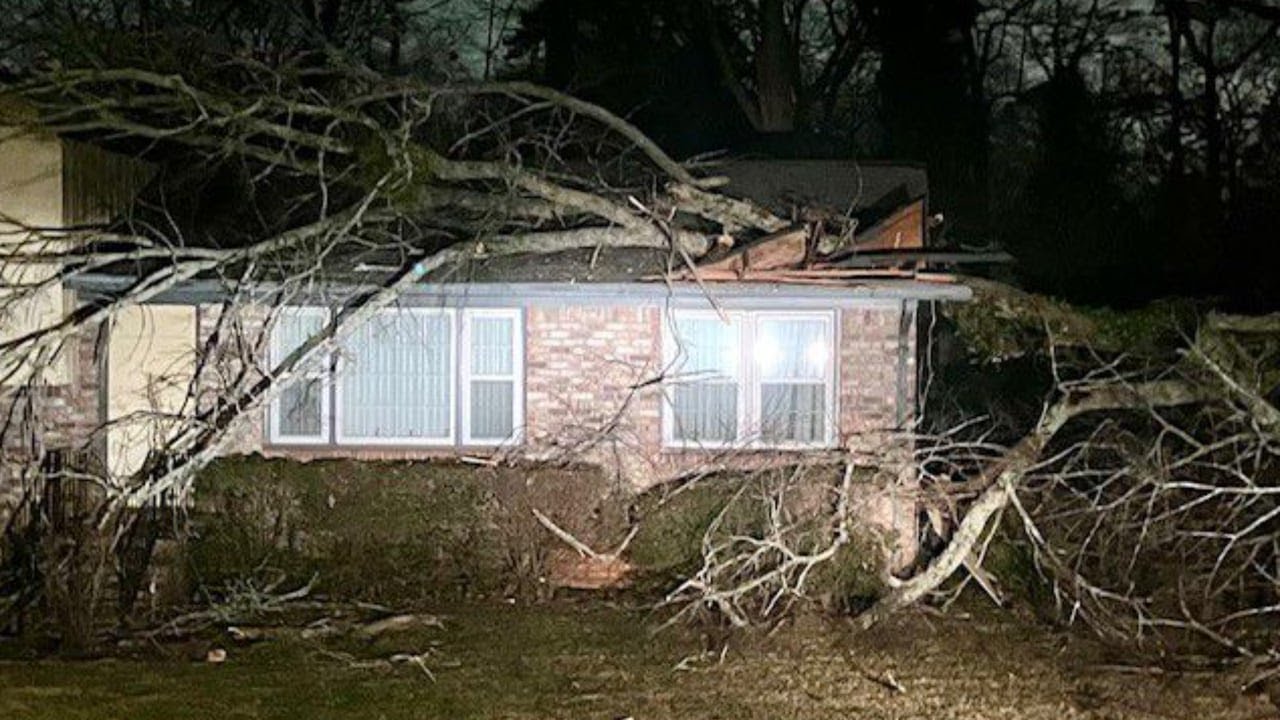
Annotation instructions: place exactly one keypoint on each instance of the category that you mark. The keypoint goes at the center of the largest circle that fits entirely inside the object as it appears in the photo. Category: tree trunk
(775, 78)
(1177, 153)
(1212, 131)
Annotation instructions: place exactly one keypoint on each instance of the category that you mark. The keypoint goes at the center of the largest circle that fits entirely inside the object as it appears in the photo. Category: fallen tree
(1146, 489)
(410, 178)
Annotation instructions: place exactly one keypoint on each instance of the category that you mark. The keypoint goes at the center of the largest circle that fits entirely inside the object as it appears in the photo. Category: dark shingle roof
(869, 190)
(224, 210)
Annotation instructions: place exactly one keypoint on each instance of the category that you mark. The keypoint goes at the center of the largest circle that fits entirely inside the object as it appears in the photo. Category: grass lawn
(578, 661)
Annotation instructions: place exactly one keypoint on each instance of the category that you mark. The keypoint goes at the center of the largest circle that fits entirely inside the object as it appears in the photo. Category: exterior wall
(224, 338)
(38, 418)
(591, 389)
(151, 360)
(878, 391)
(581, 365)
(98, 184)
(877, 373)
(591, 393)
(30, 196)
(49, 183)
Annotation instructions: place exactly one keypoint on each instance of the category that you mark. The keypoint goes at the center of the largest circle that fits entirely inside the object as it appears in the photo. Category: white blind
(298, 412)
(792, 358)
(492, 377)
(704, 400)
(396, 378)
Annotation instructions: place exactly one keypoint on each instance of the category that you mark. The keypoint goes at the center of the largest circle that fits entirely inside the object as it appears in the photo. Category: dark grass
(587, 660)
(489, 661)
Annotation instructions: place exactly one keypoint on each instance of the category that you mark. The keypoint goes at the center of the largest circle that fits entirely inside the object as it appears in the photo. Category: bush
(673, 522)
(389, 531)
(668, 548)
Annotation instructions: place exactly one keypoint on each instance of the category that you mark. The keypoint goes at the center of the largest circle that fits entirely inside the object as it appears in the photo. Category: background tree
(1153, 421)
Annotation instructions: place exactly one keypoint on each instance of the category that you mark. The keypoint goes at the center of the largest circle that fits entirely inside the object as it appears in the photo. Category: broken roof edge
(727, 294)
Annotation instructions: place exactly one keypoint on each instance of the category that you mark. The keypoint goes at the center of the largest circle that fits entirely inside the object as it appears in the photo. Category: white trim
(343, 440)
(515, 377)
(274, 436)
(749, 381)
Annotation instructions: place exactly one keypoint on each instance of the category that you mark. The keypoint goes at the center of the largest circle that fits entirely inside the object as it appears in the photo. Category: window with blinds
(300, 412)
(491, 376)
(704, 395)
(750, 379)
(408, 376)
(395, 379)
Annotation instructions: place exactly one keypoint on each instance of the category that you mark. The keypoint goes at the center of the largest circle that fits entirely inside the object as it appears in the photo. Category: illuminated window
(751, 379)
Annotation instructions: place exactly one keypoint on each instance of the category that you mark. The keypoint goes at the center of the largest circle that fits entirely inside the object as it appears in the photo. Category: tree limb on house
(377, 191)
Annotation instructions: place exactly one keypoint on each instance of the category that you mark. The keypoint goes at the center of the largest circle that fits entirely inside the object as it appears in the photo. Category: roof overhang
(725, 294)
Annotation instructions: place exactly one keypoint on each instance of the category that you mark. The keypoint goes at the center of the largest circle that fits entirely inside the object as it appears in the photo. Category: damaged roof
(868, 190)
(795, 190)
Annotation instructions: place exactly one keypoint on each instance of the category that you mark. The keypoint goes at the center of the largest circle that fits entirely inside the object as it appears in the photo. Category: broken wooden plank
(781, 249)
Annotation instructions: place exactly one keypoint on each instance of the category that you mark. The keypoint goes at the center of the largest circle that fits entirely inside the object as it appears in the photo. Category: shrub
(388, 531)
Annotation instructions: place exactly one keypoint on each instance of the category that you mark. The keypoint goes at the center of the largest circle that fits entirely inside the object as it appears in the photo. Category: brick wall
(585, 391)
(870, 367)
(65, 416)
(877, 395)
(588, 394)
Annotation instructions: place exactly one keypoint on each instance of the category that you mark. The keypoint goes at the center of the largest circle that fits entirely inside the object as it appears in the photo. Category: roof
(868, 190)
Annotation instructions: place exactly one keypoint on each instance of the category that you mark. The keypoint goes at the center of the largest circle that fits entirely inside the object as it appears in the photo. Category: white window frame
(342, 440)
(516, 377)
(322, 372)
(670, 355)
(828, 380)
(749, 380)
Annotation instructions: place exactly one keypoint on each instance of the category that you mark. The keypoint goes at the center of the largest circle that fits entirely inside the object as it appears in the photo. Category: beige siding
(151, 359)
(50, 184)
(30, 196)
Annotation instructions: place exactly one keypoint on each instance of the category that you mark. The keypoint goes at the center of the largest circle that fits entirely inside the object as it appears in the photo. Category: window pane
(299, 409)
(491, 403)
(705, 408)
(491, 345)
(793, 412)
(705, 412)
(293, 327)
(300, 406)
(788, 349)
(396, 379)
(706, 345)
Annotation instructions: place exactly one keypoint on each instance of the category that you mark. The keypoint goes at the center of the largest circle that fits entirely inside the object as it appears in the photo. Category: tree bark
(775, 76)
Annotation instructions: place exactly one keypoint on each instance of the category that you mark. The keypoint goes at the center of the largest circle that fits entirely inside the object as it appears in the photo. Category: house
(769, 350)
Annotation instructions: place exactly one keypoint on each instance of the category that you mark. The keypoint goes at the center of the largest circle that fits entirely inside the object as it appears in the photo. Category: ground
(577, 660)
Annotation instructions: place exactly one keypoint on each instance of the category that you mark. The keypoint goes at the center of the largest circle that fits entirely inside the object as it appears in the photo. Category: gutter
(524, 294)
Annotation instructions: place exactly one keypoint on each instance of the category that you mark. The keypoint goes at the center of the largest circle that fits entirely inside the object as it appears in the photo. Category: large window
(395, 379)
(750, 379)
(408, 376)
